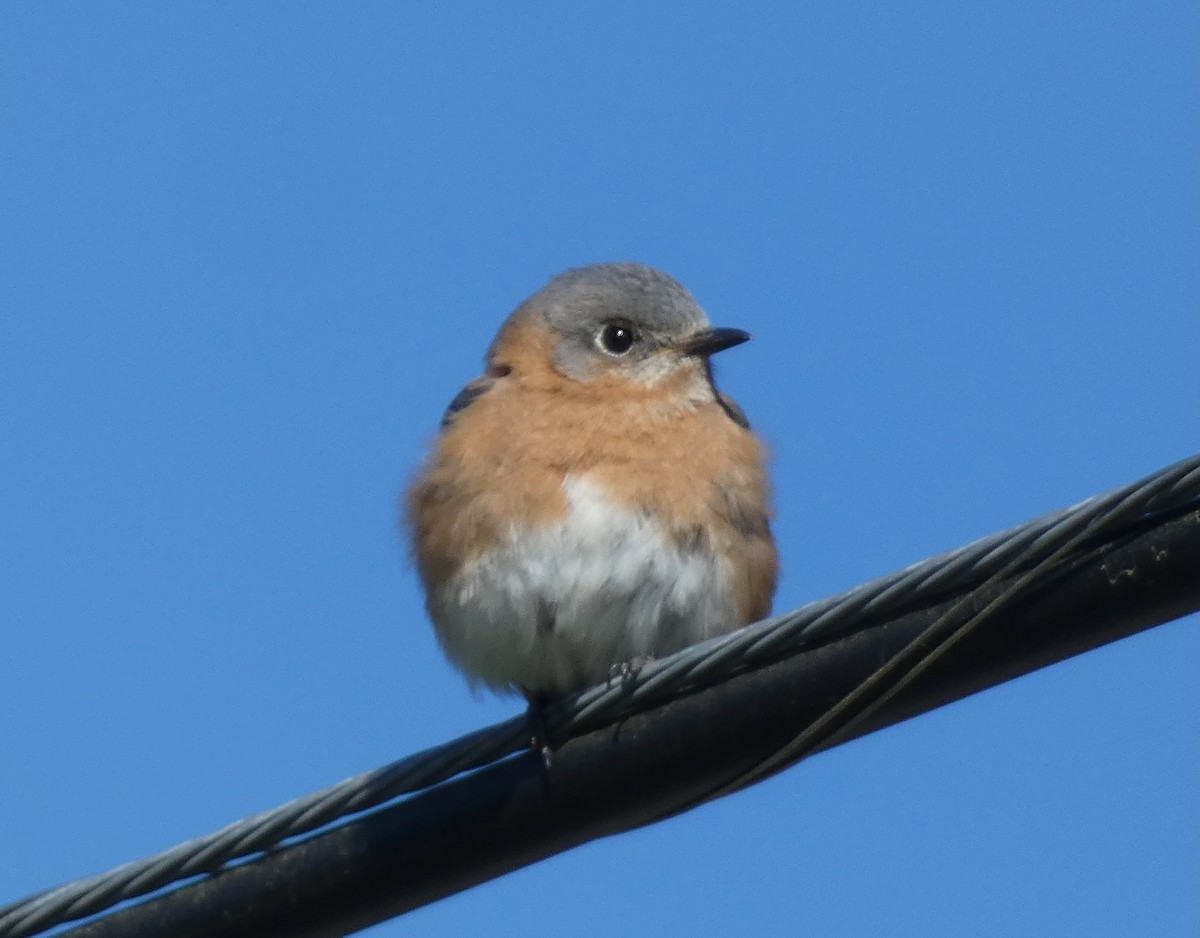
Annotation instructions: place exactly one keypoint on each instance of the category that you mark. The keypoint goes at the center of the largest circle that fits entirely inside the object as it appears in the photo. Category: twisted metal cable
(1035, 564)
(1167, 491)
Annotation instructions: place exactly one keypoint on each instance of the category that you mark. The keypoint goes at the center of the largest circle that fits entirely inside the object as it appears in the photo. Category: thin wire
(755, 646)
(905, 667)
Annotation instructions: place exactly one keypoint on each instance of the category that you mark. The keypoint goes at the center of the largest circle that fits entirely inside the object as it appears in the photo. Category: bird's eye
(616, 338)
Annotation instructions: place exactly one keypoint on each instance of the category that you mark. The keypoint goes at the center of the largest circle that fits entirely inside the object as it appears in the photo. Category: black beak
(711, 341)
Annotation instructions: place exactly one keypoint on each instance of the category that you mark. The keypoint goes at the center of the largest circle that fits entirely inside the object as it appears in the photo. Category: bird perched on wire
(592, 500)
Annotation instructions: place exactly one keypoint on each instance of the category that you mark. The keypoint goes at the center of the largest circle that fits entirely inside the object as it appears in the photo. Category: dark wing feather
(464, 398)
(735, 413)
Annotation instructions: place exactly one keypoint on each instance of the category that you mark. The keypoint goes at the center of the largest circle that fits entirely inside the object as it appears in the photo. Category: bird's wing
(471, 392)
(731, 408)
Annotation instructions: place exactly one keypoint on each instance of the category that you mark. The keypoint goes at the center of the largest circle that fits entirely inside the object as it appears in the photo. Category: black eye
(616, 338)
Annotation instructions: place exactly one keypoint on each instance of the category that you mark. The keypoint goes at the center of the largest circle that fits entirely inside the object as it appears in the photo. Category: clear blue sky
(250, 251)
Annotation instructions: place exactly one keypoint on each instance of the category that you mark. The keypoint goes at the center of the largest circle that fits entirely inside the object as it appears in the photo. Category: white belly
(555, 608)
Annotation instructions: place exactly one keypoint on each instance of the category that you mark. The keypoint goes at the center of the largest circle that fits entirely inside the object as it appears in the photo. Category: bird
(592, 501)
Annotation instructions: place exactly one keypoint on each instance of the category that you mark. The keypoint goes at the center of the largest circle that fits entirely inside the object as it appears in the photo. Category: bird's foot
(539, 741)
(624, 671)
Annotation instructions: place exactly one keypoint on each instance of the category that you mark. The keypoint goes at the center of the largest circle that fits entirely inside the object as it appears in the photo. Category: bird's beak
(711, 341)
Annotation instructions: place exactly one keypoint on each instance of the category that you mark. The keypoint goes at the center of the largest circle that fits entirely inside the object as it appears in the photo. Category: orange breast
(503, 460)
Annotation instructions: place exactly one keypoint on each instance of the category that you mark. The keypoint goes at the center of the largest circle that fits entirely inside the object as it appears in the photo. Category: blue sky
(249, 252)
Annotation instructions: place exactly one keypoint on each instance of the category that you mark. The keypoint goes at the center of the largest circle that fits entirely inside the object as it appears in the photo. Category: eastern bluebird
(592, 498)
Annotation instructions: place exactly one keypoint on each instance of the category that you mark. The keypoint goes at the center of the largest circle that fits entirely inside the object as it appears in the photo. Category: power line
(773, 690)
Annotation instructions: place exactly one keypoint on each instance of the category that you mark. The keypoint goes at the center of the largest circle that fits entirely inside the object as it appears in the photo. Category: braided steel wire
(1166, 492)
